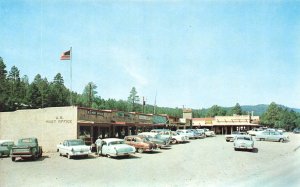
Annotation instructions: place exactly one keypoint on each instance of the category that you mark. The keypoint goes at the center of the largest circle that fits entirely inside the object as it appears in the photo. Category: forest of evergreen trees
(16, 92)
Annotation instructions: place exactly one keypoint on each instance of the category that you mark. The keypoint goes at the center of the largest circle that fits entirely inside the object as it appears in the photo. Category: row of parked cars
(143, 142)
(29, 148)
(245, 140)
(25, 148)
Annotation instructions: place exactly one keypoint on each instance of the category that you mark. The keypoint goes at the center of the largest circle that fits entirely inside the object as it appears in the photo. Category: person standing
(99, 145)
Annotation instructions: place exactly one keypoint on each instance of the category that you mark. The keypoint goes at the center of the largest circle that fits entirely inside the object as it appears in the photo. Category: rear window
(243, 138)
(27, 140)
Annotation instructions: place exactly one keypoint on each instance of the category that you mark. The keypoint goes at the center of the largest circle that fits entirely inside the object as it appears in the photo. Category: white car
(187, 133)
(178, 138)
(114, 147)
(73, 148)
(230, 137)
(255, 131)
(207, 132)
(272, 136)
(243, 142)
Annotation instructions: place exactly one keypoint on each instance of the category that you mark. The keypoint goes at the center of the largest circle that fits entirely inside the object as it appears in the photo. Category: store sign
(59, 120)
(141, 117)
(94, 112)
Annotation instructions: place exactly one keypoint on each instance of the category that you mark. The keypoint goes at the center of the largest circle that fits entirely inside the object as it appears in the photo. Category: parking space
(211, 161)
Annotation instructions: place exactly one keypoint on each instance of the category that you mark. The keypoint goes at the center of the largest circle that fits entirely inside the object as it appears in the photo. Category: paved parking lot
(209, 161)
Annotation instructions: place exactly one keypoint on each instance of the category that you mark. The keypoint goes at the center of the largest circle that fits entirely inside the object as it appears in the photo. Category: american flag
(66, 55)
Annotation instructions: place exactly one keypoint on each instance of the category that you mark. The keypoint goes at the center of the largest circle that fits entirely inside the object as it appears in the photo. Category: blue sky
(191, 53)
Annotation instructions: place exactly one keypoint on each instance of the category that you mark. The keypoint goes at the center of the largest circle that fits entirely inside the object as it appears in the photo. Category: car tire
(174, 141)
(227, 140)
(262, 139)
(13, 159)
(60, 154)
(281, 140)
(108, 155)
(235, 149)
(140, 150)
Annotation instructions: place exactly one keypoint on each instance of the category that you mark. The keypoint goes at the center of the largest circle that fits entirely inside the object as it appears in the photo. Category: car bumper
(22, 155)
(122, 154)
(80, 153)
(244, 147)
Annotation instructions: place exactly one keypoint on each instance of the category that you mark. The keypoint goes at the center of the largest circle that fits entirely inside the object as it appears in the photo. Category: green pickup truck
(26, 148)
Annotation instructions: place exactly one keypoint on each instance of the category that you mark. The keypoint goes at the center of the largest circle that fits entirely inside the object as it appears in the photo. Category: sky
(183, 53)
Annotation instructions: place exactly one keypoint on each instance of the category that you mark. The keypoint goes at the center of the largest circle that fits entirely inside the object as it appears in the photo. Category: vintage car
(178, 138)
(296, 131)
(26, 148)
(5, 147)
(114, 147)
(187, 133)
(164, 133)
(272, 136)
(243, 142)
(155, 138)
(140, 143)
(197, 134)
(73, 148)
(255, 131)
(207, 132)
(230, 137)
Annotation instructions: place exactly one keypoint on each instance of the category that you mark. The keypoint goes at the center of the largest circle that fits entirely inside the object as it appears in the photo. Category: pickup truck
(26, 148)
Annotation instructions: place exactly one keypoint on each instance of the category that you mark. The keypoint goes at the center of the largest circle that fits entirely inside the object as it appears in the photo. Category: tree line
(16, 92)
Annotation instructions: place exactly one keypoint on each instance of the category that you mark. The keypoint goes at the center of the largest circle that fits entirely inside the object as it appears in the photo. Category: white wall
(50, 125)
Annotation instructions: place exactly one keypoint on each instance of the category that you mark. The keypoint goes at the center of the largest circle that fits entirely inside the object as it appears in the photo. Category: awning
(85, 122)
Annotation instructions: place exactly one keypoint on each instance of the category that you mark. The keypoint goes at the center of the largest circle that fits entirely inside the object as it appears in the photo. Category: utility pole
(90, 95)
(144, 103)
(154, 107)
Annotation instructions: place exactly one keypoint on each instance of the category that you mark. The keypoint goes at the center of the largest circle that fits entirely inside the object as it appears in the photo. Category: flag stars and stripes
(66, 55)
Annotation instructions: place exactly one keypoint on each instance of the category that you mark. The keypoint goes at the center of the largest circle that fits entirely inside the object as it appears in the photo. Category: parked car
(187, 133)
(281, 130)
(209, 133)
(73, 148)
(165, 133)
(155, 138)
(178, 138)
(197, 134)
(296, 131)
(5, 147)
(230, 137)
(26, 148)
(272, 136)
(114, 147)
(243, 142)
(255, 131)
(140, 143)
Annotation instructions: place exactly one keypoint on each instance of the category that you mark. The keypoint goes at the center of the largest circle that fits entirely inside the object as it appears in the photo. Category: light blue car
(114, 147)
(272, 136)
(244, 142)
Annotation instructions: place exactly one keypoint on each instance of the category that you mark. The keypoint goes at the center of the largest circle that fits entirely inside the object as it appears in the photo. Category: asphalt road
(209, 161)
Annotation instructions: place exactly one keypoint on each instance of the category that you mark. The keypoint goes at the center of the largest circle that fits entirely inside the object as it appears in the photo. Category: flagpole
(71, 56)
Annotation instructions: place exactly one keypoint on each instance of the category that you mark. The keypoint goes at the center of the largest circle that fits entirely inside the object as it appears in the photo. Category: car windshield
(27, 140)
(117, 142)
(76, 142)
(145, 139)
(158, 136)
